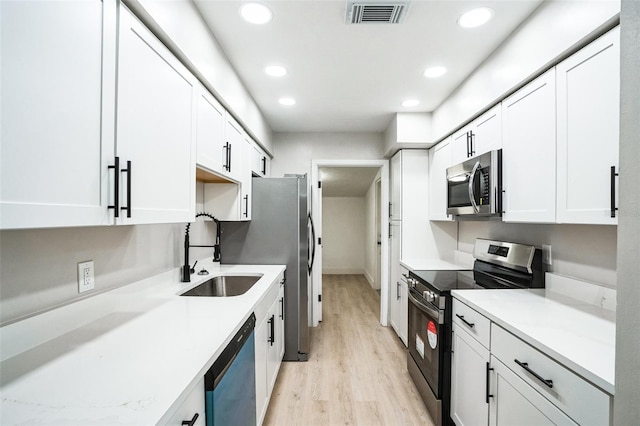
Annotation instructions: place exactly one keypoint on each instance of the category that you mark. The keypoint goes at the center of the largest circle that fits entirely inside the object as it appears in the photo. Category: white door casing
(316, 197)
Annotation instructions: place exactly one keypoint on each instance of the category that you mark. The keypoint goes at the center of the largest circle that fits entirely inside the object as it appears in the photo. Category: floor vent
(376, 12)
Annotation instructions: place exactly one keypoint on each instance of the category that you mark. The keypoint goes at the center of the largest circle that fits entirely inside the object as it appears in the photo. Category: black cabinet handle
(390, 214)
(192, 421)
(613, 191)
(246, 205)
(472, 140)
(227, 157)
(116, 187)
(468, 144)
(525, 365)
(487, 394)
(272, 325)
(264, 165)
(128, 172)
(282, 308)
(469, 324)
(397, 290)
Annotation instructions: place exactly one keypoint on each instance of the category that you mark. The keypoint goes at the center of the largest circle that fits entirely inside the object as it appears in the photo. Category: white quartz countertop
(127, 356)
(578, 335)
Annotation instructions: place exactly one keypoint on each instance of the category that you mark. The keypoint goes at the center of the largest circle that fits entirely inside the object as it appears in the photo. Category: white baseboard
(370, 279)
(343, 271)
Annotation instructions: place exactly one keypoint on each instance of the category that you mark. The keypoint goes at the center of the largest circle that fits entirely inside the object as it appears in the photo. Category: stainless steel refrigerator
(279, 233)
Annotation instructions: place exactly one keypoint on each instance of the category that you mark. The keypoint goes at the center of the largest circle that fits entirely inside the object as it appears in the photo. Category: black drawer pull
(487, 394)
(272, 324)
(192, 421)
(525, 365)
(469, 324)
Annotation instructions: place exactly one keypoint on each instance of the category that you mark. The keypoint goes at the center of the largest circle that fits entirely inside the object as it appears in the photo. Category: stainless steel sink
(224, 286)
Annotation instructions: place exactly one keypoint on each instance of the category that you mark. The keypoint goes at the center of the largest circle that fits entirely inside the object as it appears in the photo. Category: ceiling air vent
(376, 12)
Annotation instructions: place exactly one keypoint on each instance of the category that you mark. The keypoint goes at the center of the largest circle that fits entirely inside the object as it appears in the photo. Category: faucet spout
(186, 268)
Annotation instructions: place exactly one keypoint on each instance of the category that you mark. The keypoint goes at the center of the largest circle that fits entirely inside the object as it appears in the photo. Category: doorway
(340, 256)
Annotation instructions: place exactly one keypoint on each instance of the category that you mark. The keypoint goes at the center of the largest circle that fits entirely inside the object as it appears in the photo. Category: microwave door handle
(472, 179)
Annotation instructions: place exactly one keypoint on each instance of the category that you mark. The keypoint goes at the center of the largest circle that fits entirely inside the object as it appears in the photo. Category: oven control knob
(411, 282)
(429, 296)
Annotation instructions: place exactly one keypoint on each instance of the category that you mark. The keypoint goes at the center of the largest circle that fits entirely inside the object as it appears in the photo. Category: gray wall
(343, 235)
(294, 151)
(582, 251)
(38, 268)
(626, 407)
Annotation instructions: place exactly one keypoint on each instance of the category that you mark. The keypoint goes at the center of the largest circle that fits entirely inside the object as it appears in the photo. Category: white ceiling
(347, 181)
(354, 77)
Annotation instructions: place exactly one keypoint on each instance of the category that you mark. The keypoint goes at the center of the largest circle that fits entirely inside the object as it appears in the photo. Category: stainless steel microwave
(474, 187)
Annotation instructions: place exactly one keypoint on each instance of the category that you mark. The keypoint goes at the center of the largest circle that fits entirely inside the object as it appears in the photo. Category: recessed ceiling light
(287, 101)
(256, 13)
(475, 17)
(275, 70)
(434, 72)
(411, 103)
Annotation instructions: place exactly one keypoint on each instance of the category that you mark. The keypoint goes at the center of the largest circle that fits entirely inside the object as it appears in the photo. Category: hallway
(356, 373)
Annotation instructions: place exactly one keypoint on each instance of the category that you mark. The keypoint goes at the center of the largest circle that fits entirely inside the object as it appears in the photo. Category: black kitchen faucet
(186, 268)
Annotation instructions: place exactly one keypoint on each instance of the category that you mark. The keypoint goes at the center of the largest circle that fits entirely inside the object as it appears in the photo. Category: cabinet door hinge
(319, 241)
(319, 184)
(319, 298)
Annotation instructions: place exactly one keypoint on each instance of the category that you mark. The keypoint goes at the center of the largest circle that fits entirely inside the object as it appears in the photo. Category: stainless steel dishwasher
(230, 384)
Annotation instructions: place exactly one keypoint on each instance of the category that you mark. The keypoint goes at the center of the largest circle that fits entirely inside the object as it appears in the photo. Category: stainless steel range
(498, 265)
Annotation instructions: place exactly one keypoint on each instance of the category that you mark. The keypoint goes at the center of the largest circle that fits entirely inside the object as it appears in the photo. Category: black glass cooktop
(483, 276)
(445, 281)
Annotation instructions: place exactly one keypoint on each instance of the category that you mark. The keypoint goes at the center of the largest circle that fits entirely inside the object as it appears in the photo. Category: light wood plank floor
(356, 373)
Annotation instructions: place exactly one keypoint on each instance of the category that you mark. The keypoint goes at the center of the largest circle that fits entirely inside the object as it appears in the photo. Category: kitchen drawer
(192, 405)
(579, 399)
(471, 321)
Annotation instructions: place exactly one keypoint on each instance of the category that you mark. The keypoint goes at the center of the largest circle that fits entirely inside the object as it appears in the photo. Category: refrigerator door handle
(313, 244)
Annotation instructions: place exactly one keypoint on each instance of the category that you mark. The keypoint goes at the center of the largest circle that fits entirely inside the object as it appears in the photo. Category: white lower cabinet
(269, 342)
(499, 379)
(514, 402)
(395, 229)
(193, 405)
(469, 364)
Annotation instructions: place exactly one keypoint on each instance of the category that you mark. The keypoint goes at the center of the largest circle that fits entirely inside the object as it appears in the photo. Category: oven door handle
(434, 313)
(472, 179)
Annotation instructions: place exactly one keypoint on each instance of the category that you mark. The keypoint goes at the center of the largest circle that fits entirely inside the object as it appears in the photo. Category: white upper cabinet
(529, 152)
(588, 93)
(395, 205)
(260, 161)
(57, 113)
(156, 129)
(482, 135)
(232, 201)
(439, 160)
(210, 132)
(233, 149)
(246, 183)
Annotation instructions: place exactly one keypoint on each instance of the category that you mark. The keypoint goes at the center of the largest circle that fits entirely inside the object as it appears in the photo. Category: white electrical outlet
(546, 254)
(85, 276)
